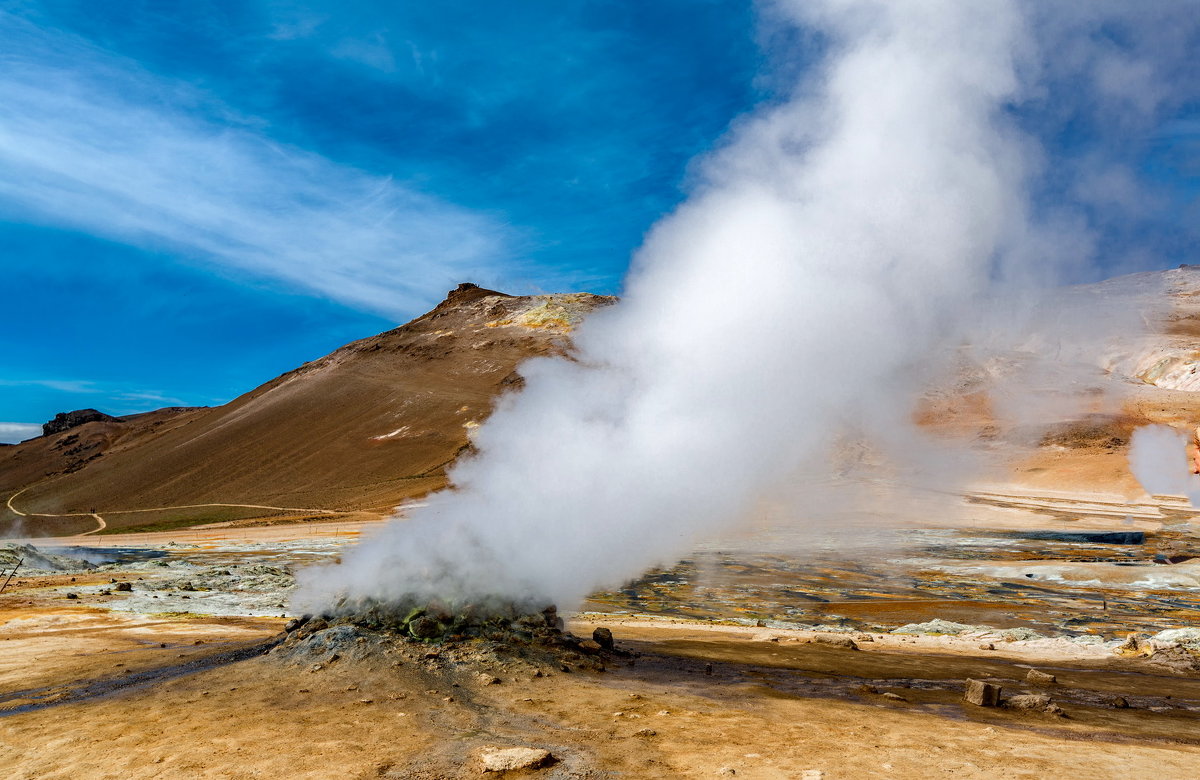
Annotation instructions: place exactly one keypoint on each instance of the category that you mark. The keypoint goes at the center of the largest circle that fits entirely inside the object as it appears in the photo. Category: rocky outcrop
(65, 421)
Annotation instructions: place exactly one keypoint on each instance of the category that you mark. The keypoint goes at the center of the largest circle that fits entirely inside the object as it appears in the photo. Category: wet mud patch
(1100, 701)
(20, 702)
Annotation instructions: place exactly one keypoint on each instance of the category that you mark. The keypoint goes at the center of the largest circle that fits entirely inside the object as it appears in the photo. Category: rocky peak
(65, 421)
(467, 292)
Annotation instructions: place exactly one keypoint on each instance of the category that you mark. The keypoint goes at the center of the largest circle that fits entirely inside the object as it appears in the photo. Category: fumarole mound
(485, 637)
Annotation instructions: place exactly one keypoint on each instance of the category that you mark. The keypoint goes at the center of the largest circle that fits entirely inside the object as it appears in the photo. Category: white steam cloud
(838, 241)
(1158, 458)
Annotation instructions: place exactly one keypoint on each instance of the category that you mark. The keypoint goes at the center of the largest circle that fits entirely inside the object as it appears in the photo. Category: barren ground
(89, 692)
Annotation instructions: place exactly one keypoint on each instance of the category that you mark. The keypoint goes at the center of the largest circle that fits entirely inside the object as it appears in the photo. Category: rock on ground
(497, 759)
(1033, 702)
(982, 694)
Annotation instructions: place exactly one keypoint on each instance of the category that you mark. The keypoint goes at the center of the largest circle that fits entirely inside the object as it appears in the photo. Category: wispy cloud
(12, 432)
(92, 142)
(61, 385)
(148, 397)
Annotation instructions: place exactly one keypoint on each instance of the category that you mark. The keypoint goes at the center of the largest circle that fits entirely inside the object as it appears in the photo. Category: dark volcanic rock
(603, 637)
(65, 421)
(425, 628)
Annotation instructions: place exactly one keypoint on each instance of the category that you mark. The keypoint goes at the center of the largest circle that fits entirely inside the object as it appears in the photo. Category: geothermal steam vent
(467, 639)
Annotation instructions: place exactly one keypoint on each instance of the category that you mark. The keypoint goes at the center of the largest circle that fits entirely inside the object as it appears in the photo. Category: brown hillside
(362, 428)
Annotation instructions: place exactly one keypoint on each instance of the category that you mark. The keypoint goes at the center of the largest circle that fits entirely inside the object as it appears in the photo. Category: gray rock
(498, 759)
(424, 628)
(1028, 701)
(982, 694)
(833, 640)
(1175, 658)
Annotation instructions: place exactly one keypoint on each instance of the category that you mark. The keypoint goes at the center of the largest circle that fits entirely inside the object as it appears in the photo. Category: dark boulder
(603, 637)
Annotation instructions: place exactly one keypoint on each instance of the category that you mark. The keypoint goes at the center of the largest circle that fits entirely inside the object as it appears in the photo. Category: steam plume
(836, 242)
(1158, 458)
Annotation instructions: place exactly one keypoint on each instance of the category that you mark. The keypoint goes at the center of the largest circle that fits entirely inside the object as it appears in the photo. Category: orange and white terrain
(157, 553)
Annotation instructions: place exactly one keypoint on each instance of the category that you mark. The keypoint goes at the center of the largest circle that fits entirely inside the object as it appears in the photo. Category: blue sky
(196, 196)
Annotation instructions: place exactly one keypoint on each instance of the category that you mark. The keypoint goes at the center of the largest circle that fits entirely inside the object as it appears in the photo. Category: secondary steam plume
(836, 242)
(1159, 459)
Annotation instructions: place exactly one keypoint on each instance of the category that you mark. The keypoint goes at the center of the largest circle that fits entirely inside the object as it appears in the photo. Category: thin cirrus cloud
(91, 142)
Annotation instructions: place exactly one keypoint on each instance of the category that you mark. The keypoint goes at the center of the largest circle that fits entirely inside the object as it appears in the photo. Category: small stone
(982, 694)
(987, 646)
(835, 641)
(893, 696)
(726, 770)
(708, 669)
(1118, 702)
(497, 759)
(603, 637)
(1036, 702)
(366, 701)
(488, 679)
(645, 733)
(124, 587)
(1040, 678)
(589, 646)
(1135, 644)
(72, 595)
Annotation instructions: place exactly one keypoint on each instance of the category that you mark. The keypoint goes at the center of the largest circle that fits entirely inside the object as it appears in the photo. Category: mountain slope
(363, 428)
